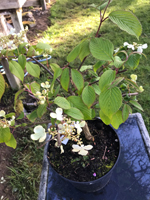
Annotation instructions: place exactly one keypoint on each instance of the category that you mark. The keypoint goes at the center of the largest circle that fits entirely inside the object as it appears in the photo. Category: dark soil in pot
(98, 161)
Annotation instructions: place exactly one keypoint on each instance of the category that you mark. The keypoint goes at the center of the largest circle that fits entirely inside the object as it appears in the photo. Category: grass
(72, 21)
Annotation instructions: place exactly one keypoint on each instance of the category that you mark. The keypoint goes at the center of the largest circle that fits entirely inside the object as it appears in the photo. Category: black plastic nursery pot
(93, 185)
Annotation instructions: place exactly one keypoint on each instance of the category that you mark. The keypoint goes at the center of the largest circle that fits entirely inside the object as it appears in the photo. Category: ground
(42, 23)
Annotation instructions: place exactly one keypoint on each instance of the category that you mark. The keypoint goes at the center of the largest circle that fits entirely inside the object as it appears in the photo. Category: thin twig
(131, 94)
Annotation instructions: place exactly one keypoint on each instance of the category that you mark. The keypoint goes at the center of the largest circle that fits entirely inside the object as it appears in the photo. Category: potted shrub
(77, 94)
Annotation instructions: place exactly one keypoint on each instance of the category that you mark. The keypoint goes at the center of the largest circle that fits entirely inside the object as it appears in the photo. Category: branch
(131, 94)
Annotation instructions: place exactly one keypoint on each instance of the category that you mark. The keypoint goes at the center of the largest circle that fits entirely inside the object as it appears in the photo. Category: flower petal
(59, 111)
(2, 113)
(83, 152)
(88, 147)
(39, 129)
(42, 138)
(53, 115)
(75, 146)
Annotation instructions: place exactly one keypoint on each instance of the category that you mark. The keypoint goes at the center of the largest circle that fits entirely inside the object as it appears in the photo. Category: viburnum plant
(75, 94)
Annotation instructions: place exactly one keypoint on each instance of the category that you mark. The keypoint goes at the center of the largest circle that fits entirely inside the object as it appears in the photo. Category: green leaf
(84, 51)
(33, 69)
(117, 119)
(88, 96)
(130, 109)
(22, 61)
(126, 21)
(74, 113)
(86, 67)
(125, 112)
(74, 53)
(110, 101)
(96, 88)
(54, 66)
(12, 142)
(41, 110)
(133, 60)
(16, 69)
(104, 118)
(98, 65)
(21, 48)
(106, 79)
(101, 7)
(102, 49)
(77, 79)
(31, 52)
(62, 102)
(2, 85)
(35, 87)
(136, 104)
(116, 81)
(44, 46)
(21, 116)
(65, 79)
(77, 102)
(132, 83)
(17, 94)
(10, 115)
(5, 134)
(56, 91)
(57, 73)
(32, 116)
(117, 62)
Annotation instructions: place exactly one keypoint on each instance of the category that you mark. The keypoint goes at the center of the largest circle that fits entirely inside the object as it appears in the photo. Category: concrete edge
(44, 173)
(143, 130)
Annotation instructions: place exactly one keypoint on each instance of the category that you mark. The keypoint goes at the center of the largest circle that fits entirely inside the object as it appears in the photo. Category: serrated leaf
(98, 65)
(74, 113)
(117, 119)
(130, 109)
(102, 49)
(84, 51)
(41, 110)
(62, 102)
(65, 79)
(57, 73)
(74, 53)
(21, 116)
(5, 134)
(116, 81)
(77, 102)
(22, 61)
(125, 112)
(106, 78)
(12, 142)
(133, 60)
(35, 87)
(136, 104)
(77, 79)
(2, 85)
(104, 118)
(33, 69)
(88, 96)
(110, 101)
(127, 22)
(56, 91)
(132, 83)
(16, 69)
(32, 116)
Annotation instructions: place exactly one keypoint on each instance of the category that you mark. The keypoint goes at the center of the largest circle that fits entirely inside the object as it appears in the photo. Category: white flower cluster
(67, 129)
(12, 40)
(42, 96)
(4, 122)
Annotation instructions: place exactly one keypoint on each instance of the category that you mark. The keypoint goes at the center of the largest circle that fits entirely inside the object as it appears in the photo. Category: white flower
(45, 54)
(141, 47)
(2, 113)
(82, 150)
(12, 31)
(45, 85)
(40, 134)
(38, 93)
(58, 115)
(133, 77)
(125, 44)
(116, 50)
(79, 125)
(130, 46)
(141, 89)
